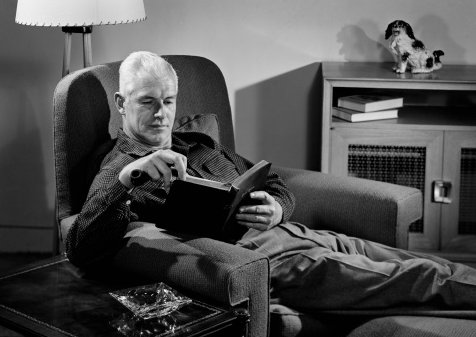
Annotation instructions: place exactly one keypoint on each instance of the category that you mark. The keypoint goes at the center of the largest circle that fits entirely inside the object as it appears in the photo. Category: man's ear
(119, 100)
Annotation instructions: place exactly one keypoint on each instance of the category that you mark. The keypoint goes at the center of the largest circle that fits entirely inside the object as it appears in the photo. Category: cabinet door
(458, 233)
(403, 157)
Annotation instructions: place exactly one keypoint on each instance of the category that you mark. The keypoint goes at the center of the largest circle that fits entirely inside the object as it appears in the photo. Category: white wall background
(267, 49)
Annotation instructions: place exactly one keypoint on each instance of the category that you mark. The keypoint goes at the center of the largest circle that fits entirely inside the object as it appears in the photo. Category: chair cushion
(416, 326)
(207, 124)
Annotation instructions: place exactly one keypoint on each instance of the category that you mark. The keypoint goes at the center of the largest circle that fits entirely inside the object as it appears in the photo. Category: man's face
(149, 110)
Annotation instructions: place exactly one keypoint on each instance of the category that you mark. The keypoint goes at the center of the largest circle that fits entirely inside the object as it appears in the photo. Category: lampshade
(78, 16)
(72, 13)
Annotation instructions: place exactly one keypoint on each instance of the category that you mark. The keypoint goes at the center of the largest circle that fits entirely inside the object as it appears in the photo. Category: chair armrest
(217, 271)
(367, 209)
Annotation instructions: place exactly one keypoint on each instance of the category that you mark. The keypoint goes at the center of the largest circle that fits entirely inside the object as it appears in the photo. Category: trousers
(317, 269)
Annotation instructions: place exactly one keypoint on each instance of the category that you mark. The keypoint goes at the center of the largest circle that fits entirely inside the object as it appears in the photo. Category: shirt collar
(137, 149)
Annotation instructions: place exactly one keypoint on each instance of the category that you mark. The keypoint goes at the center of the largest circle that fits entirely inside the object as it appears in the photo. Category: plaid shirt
(98, 231)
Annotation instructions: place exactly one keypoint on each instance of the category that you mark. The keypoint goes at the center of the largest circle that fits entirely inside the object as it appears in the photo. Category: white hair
(142, 63)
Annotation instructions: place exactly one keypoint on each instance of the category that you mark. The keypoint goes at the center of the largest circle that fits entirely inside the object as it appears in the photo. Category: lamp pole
(87, 49)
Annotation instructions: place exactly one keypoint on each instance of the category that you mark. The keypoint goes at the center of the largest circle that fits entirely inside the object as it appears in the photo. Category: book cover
(357, 116)
(368, 103)
(206, 207)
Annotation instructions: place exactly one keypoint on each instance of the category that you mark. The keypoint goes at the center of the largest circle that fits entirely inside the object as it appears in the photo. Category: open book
(206, 207)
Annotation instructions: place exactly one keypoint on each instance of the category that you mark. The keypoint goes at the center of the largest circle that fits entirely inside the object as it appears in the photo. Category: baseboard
(26, 239)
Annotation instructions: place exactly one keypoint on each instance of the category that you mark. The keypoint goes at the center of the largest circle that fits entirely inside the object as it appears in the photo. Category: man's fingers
(160, 169)
(260, 217)
(258, 209)
(160, 163)
(253, 218)
(263, 196)
(181, 167)
(265, 206)
(177, 160)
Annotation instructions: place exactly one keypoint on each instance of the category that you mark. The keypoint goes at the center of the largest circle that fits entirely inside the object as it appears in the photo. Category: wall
(268, 50)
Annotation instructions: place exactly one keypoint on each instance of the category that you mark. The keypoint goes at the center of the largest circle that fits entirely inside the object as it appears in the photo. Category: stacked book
(360, 108)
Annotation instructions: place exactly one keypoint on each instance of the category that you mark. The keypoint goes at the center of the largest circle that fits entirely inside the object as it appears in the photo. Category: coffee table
(54, 298)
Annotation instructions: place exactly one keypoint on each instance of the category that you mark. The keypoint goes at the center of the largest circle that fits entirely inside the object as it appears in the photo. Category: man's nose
(159, 110)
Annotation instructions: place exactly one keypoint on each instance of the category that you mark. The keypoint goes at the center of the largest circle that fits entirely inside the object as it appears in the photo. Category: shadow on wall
(434, 33)
(278, 119)
(357, 46)
(23, 195)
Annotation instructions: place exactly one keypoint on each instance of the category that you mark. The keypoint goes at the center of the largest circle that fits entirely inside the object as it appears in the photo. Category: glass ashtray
(149, 301)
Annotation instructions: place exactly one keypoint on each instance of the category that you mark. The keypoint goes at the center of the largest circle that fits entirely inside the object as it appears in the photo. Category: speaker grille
(401, 165)
(467, 196)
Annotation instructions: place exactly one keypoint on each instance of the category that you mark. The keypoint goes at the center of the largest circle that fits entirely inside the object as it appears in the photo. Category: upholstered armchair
(85, 125)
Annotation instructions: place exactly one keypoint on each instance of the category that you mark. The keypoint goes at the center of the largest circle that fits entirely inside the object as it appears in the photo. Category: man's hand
(156, 165)
(261, 217)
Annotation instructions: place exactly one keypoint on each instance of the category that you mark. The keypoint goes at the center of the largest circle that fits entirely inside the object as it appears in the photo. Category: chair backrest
(85, 118)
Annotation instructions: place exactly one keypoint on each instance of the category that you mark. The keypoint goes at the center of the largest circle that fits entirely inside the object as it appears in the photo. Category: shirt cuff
(117, 193)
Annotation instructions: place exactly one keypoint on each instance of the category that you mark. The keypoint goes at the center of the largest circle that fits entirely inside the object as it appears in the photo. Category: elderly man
(309, 269)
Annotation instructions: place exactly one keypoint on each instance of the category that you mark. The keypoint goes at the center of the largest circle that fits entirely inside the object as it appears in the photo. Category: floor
(9, 262)
(12, 261)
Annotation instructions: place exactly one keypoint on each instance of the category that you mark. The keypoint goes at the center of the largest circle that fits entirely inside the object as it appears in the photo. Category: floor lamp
(78, 16)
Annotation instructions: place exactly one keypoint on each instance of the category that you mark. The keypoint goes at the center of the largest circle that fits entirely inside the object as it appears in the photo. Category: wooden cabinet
(431, 146)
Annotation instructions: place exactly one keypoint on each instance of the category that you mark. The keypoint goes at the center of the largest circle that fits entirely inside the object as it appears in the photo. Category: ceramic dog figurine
(410, 51)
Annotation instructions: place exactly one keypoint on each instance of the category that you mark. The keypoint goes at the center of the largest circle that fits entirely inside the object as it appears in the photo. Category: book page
(207, 182)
